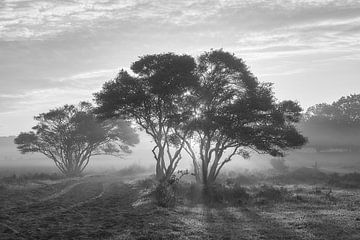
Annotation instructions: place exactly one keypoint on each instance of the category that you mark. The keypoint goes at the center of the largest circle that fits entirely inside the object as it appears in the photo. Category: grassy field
(116, 206)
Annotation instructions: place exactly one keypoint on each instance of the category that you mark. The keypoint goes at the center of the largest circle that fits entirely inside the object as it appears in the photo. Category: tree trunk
(159, 172)
(73, 173)
(72, 169)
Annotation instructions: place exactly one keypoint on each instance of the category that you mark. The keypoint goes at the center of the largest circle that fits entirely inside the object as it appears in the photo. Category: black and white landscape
(188, 119)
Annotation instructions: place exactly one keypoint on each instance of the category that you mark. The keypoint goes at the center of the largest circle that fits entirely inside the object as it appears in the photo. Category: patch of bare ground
(89, 209)
(31, 192)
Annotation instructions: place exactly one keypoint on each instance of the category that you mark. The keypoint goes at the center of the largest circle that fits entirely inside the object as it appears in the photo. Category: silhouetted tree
(335, 125)
(234, 113)
(154, 98)
(70, 135)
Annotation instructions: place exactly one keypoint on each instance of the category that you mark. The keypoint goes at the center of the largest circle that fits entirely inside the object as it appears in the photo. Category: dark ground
(111, 207)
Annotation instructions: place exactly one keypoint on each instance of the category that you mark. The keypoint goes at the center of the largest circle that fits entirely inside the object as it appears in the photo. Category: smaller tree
(71, 135)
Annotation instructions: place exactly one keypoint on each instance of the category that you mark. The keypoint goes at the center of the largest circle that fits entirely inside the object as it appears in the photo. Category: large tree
(334, 126)
(155, 98)
(71, 135)
(234, 113)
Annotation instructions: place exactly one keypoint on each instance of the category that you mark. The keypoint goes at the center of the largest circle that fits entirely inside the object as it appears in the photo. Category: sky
(61, 52)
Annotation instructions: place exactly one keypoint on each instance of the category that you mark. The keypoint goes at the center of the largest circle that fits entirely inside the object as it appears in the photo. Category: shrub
(220, 193)
(168, 191)
(165, 194)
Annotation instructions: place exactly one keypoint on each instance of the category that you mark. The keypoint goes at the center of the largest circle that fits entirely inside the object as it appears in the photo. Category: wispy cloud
(55, 52)
(70, 89)
(256, 26)
(38, 19)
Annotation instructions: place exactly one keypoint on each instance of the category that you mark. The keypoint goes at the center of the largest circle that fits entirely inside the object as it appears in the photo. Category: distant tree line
(333, 126)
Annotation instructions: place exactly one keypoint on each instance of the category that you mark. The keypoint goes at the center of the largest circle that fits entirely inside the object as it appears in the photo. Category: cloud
(256, 25)
(55, 52)
(70, 89)
(88, 80)
(41, 19)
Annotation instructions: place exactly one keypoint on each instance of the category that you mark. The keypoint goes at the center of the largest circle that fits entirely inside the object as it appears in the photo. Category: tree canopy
(71, 134)
(213, 108)
(334, 126)
(154, 98)
(235, 113)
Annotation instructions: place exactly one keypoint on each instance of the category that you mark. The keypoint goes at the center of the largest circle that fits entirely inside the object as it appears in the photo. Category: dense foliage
(155, 98)
(235, 113)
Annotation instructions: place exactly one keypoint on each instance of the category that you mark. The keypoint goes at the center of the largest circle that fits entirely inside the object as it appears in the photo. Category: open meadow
(302, 204)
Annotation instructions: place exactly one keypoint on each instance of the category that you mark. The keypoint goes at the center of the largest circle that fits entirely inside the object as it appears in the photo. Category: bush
(165, 194)
(168, 191)
(223, 194)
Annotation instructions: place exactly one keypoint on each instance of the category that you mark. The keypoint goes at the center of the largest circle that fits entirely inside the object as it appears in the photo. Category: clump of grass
(268, 193)
(303, 175)
(223, 194)
(195, 193)
(23, 179)
(132, 170)
(349, 180)
(147, 183)
(242, 179)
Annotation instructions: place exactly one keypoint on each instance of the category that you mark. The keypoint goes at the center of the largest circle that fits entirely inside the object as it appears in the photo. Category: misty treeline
(333, 126)
(210, 108)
